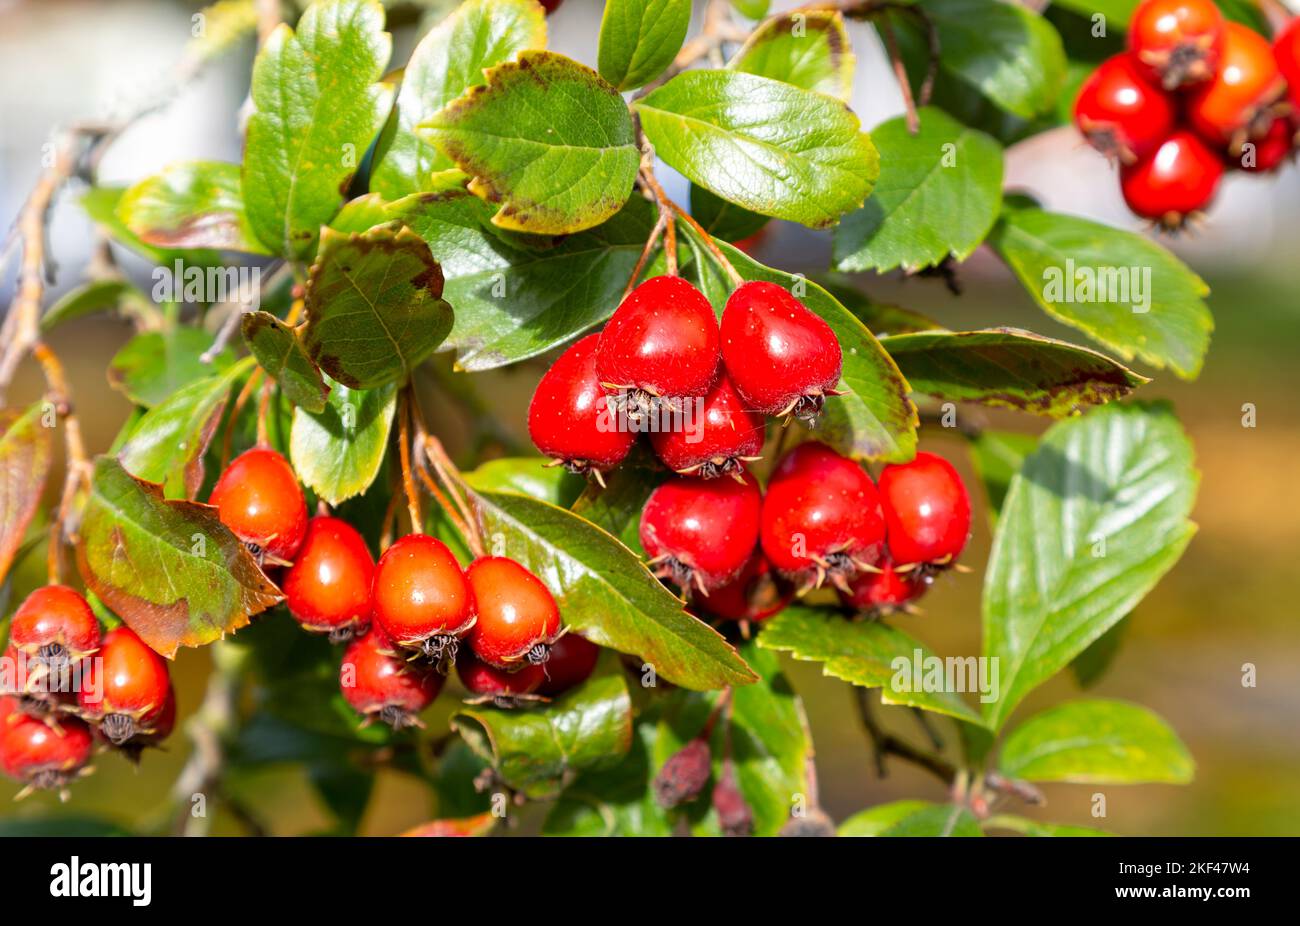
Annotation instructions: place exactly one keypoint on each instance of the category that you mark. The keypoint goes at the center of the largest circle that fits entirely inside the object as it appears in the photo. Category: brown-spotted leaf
(24, 465)
(280, 353)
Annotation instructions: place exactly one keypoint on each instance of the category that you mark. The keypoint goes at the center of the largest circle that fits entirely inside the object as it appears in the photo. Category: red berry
(754, 595)
(661, 346)
(1237, 104)
(421, 597)
(550, 5)
(1270, 152)
(887, 590)
(927, 510)
(712, 437)
(1178, 41)
(573, 659)
(701, 533)
(1286, 51)
(1120, 114)
(1179, 179)
(379, 682)
(328, 588)
(503, 687)
(259, 499)
(125, 689)
(684, 775)
(39, 754)
(570, 418)
(517, 615)
(821, 517)
(55, 623)
(782, 358)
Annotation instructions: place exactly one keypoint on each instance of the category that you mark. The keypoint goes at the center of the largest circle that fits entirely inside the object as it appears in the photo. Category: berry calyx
(715, 437)
(1120, 113)
(754, 595)
(41, 755)
(571, 419)
(381, 683)
(1237, 104)
(927, 511)
(1270, 152)
(1180, 179)
(821, 518)
(518, 619)
(259, 499)
(660, 347)
(507, 688)
(54, 625)
(328, 588)
(700, 534)
(573, 659)
(886, 591)
(1178, 42)
(783, 359)
(421, 598)
(125, 689)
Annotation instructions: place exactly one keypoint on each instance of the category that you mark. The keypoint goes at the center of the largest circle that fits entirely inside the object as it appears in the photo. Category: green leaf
(100, 204)
(997, 456)
(866, 653)
(808, 49)
(1026, 827)
(640, 38)
(912, 818)
(1090, 665)
(1010, 368)
(168, 443)
(613, 802)
(1092, 521)
(546, 139)
(875, 820)
(154, 365)
(937, 197)
(170, 569)
(1089, 275)
(751, 9)
(191, 204)
(722, 219)
(1096, 742)
(24, 466)
(282, 356)
(762, 144)
(529, 476)
(537, 750)
(337, 452)
(450, 59)
(89, 298)
(318, 107)
(882, 318)
(513, 303)
(617, 507)
(374, 306)
(606, 593)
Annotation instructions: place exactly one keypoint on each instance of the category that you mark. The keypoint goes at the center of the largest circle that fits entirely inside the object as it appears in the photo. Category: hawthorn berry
(821, 517)
(421, 598)
(659, 348)
(1272, 150)
(328, 587)
(718, 441)
(1120, 113)
(1179, 179)
(885, 591)
(1286, 52)
(927, 511)
(1237, 104)
(125, 689)
(754, 595)
(573, 659)
(518, 619)
(42, 755)
(684, 775)
(700, 534)
(379, 682)
(259, 499)
(503, 687)
(1179, 42)
(54, 624)
(783, 359)
(735, 817)
(570, 418)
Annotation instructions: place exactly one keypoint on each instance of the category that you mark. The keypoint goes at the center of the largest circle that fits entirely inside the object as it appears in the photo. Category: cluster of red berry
(1193, 96)
(69, 686)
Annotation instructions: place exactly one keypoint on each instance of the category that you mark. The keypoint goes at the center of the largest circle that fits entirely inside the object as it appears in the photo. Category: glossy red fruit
(754, 595)
(570, 418)
(821, 517)
(573, 659)
(503, 687)
(550, 5)
(1267, 154)
(927, 510)
(259, 499)
(1179, 179)
(712, 437)
(1286, 52)
(1178, 42)
(885, 591)
(518, 619)
(125, 688)
(56, 624)
(1237, 104)
(660, 346)
(783, 359)
(381, 683)
(1120, 113)
(38, 754)
(328, 588)
(700, 534)
(421, 598)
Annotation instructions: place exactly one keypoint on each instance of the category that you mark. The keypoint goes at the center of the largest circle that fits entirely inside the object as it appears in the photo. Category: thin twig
(665, 210)
(732, 273)
(884, 743)
(451, 480)
(404, 455)
(78, 466)
(241, 400)
(900, 74)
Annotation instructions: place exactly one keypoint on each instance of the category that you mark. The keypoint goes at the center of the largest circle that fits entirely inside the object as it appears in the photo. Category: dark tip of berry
(539, 654)
(814, 823)
(118, 728)
(348, 633)
(255, 549)
(440, 649)
(53, 653)
(49, 779)
(399, 718)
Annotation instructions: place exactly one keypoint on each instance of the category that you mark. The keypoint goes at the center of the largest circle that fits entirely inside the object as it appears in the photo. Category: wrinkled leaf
(282, 356)
(337, 452)
(191, 204)
(809, 49)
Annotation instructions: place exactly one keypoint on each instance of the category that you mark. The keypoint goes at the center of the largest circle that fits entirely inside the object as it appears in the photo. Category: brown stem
(404, 454)
(732, 273)
(78, 466)
(665, 209)
(451, 480)
(241, 400)
(900, 74)
(884, 743)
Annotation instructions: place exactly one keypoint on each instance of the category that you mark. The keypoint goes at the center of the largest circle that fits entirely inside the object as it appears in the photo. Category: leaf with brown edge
(280, 353)
(479, 825)
(190, 204)
(24, 466)
(170, 569)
